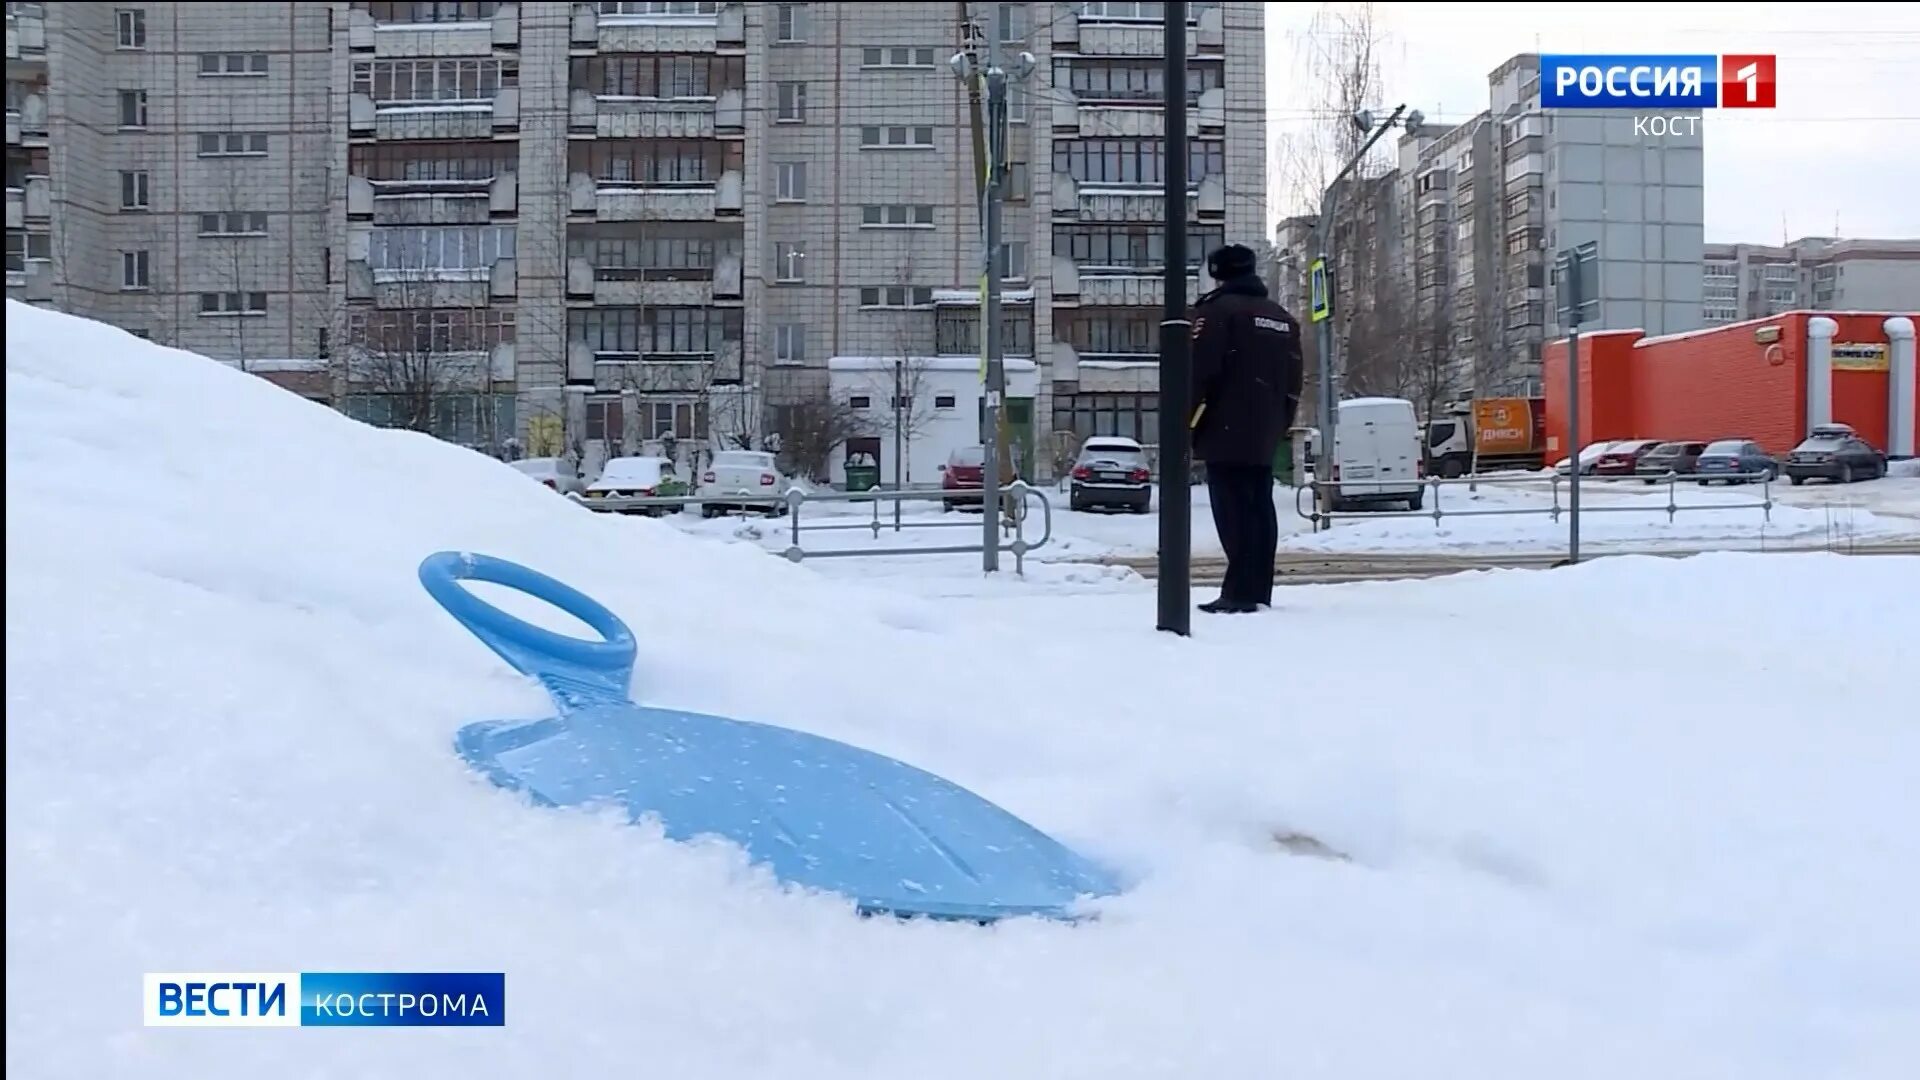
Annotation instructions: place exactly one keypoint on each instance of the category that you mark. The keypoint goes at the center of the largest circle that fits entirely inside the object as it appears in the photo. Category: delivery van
(1377, 455)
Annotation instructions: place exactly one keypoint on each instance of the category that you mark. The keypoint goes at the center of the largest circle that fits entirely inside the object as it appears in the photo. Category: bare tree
(809, 432)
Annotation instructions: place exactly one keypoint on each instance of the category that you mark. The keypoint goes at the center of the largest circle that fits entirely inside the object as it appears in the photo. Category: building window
(682, 419)
(431, 330)
(441, 247)
(896, 296)
(432, 161)
(654, 162)
(444, 81)
(1010, 22)
(790, 181)
(1013, 261)
(133, 190)
(1094, 80)
(252, 65)
(656, 7)
(790, 343)
(133, 270)
(897, 56)
(656, 329)
(233, 144)
(1133, 161)
(1130, 249)
(657, 75)
(23, 248)
(133, 108)
(956, 330)
(944, 401)
(1016, 103)
(859, 401)
(1018, 182)
(233, 303)
(1113, 331)
(413, 11)
(792, 102)
(133, 28)
(896, 138)
(790, 263)
(659, 253)
(243, 223)
(897, 216)
(790, 23)
(1131, 416)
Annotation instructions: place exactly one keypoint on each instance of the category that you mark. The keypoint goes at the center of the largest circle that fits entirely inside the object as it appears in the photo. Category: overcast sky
(1844, 140)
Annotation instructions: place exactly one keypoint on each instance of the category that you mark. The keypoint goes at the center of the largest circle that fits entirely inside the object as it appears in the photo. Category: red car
(965, 470)
(1623, 458)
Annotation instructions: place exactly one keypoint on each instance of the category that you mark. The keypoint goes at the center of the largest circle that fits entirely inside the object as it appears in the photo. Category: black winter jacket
(1246, 374)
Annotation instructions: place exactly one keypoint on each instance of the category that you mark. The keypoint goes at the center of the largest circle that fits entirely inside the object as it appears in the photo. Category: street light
(1364, 122)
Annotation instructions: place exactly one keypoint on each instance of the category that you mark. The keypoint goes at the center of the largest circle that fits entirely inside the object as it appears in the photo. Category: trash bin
(863, 477)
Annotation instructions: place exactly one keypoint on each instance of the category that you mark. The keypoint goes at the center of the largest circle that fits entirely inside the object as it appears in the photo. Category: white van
(1376, 440)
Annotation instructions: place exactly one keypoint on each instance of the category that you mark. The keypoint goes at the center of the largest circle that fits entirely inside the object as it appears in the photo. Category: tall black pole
(1176, 344)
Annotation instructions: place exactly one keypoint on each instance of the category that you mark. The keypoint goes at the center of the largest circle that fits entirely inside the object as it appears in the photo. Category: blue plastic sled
(820, 813)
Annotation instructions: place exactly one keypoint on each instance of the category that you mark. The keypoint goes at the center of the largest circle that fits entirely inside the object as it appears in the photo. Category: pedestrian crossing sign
(1317, 276)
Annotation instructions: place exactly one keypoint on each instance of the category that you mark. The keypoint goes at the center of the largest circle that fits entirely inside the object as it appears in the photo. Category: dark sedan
(1623, 458)
(1834, 452)
(1735, 461)
(1669, 457)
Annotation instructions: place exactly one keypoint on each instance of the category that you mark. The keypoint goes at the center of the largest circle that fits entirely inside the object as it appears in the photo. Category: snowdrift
(1686, 851)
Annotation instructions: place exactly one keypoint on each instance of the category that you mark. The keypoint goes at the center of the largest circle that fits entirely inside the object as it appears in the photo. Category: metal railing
(1015, 498)
(1430, 488)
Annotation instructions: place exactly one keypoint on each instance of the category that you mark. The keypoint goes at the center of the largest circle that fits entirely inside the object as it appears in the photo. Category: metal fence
(1432, 504)
(1015, 497)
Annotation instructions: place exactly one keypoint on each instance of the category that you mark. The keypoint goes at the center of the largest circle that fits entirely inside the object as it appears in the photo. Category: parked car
(637, 478)
(1111, 472)
(1589, 457)
(733, 473)
(1734, 461)
(1669, 457)
(965, 470)
(1834, 452)
(556, 473)
(1623, 458)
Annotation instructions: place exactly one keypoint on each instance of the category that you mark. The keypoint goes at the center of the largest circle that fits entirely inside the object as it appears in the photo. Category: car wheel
(1414, 504)
(1650, 483)
(1141, 508)
(1451, 469)
(1796, 481)
(1846, 474)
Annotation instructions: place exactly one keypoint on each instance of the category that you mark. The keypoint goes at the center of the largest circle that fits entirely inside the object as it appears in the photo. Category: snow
(230, 708)
(1908, 469)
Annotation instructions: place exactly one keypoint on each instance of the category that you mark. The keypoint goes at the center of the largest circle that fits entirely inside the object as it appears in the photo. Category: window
(790, 262)
(943, 401)
(242, 223)
(658, 75)
(410, 11)
(432, 161)
(425, 330)
(859, 401)
(956, 330)
(1013, 261)
(133, 270)
(792, 102)
(659, 251)
(233, 144)
(790, 23)
(896, 296)
(23, 248)
(897, 216)
(683, 419)
(1130, 248)
(419, 82)
(1019, 183)
(1098, 79)
(898, 56)
(656, 329)
(1133, 161)
(654, 162)
(1130, 416)
(133, 191)
(603, 420)
(242, 64)
(439, 247)
(896, 138)
(1113, 331)
(133, 28)
(632, 7)
(790, 181)
(790, 343)
(1016, 103)
(133, 108)
(233, 303)
(1010, 22)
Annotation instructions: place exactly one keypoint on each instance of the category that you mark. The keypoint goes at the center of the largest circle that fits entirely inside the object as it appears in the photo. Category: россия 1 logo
(1729, 81)
(325, 999)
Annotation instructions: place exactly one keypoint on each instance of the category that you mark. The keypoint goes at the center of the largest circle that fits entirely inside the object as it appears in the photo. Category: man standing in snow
(1246, 388)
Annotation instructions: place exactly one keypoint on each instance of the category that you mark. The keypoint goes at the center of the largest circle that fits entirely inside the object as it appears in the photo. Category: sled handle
(559, 660)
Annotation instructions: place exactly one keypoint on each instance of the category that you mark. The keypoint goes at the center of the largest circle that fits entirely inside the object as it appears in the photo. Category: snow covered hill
(1664, 831)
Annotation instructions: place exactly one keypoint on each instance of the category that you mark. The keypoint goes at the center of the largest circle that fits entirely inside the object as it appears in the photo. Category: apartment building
(608, 226)
(1751, 281)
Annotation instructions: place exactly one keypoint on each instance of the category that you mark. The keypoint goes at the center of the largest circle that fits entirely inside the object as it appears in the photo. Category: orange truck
(1509, 432)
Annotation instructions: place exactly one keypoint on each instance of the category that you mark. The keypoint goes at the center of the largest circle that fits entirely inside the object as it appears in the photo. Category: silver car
(1111, 473)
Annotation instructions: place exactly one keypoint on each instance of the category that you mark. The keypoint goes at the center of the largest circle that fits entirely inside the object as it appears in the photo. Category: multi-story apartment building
(595, 225)
(1751, 281)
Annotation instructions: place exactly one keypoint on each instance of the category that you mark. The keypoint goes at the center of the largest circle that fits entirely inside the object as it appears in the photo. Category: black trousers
(1243, 515)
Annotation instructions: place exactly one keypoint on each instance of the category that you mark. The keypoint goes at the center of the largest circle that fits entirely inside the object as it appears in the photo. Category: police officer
(1246, 384)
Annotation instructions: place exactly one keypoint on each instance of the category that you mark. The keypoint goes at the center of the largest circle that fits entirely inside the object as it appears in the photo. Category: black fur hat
(1231, 261)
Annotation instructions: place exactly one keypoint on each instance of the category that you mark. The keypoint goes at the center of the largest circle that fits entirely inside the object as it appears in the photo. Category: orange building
(1768, 379)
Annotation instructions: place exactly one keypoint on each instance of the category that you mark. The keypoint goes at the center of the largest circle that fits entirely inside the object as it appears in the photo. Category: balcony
(432, 202)
(655, 372)
(411, 120)
(27, 33)
(621, 286)
(34, 202)
(1108, 286)
(479, 37)
(1095, 117)
(1526, 166)
(619, 117)
(1098, 202)
(681, 28)
(1097, 34)
(623, 201)
(33, 284)
(27, 125)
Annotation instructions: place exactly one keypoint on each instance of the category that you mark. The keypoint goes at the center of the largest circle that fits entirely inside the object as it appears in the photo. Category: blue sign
(326, 999)
(1629, 81)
